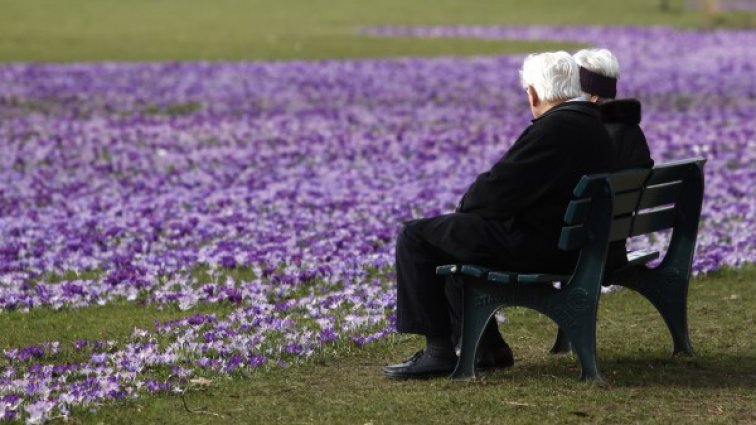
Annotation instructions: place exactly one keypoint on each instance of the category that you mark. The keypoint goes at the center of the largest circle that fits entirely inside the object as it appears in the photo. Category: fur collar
(623, 110)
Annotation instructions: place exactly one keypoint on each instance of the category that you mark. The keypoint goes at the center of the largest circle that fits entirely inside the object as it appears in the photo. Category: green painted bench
(604, 208)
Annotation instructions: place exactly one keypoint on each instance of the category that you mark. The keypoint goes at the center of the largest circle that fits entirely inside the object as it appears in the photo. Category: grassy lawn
(114, 321)
(89, 30)
(344, 384)
(645, 384)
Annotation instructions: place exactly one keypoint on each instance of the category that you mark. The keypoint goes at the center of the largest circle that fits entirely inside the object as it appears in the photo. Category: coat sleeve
(640, 153)
(530, 169)
(630, 147)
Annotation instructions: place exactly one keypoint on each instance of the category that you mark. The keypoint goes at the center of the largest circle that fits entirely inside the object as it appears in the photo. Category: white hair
(600, 61)
(553, 75)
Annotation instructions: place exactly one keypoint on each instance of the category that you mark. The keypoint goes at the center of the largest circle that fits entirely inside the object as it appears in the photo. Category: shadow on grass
(731, 371)
(720, 371)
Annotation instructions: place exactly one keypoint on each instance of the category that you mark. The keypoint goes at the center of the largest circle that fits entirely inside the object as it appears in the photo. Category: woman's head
(599, 72)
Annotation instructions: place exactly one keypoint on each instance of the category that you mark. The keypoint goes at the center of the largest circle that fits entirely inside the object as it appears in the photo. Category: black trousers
(428, 304)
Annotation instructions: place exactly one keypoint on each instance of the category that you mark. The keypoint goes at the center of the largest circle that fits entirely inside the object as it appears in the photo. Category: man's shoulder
(573, 110)
(563, 126)
(578, 116)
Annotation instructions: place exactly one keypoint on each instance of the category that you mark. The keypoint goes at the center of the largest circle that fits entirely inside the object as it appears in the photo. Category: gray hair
(600, 61)
(553, 75)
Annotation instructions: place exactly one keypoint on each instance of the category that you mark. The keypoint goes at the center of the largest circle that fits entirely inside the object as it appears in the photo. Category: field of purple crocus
(299, 173)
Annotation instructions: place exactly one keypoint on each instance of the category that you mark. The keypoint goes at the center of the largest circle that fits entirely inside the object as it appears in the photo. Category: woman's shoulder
(626, 111)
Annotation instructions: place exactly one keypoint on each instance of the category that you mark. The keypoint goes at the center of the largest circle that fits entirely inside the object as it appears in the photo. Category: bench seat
(634, 259)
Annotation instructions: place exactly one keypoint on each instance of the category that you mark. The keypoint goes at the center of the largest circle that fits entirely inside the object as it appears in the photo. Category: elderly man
(509, 218)
(599, 72)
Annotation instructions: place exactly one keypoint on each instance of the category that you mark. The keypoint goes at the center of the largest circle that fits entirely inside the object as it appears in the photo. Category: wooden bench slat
(634, 259)
(672, 171)
(577, 211)
(447, 269)
(464, 269)
(621, 182)
(653, 221)
(626, 203)
(542, 278)
(474, 271)
(641, 256)
(584, 184)
(620, 228)
(502, 277)
(661, 194)
(628, 180)
(572, 237)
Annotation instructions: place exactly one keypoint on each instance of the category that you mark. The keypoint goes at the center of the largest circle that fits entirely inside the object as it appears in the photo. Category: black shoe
(495, 356)
(421, 365)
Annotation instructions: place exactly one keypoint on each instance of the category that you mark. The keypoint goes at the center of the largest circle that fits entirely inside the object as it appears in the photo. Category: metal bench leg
(476, 315)
(561, 344)
(583, 338)
(667, 289)
(574, 311)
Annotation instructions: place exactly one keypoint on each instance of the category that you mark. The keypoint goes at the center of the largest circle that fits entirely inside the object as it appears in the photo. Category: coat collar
(582, 106)
(623, 110)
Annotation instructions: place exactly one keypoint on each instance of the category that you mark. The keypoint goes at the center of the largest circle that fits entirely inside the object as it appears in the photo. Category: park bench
(604, 208)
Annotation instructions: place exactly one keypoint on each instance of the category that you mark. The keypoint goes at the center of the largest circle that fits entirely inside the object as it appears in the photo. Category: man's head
(550, 79)
(599, 72)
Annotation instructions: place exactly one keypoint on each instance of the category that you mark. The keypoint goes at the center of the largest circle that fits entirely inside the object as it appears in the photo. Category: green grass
(115, 321)
(646, 384)
(137, 30)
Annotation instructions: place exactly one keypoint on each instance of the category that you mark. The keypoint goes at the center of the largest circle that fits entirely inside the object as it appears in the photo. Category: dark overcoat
(621, 119)
(512, 215)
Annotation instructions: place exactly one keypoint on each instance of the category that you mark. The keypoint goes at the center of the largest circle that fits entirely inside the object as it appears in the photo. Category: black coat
(621, 119)
(512, 215)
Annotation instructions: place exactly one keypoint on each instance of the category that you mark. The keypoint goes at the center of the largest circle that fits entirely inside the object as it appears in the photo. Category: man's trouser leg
(422, 307)
(453, 289)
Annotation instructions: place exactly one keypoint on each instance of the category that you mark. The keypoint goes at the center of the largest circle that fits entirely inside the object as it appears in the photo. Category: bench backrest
(612, 207)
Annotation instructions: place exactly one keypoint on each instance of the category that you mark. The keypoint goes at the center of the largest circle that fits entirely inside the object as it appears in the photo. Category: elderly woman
(599, 72)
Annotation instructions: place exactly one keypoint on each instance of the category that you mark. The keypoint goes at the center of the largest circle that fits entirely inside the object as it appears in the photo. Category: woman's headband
(595, 83)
